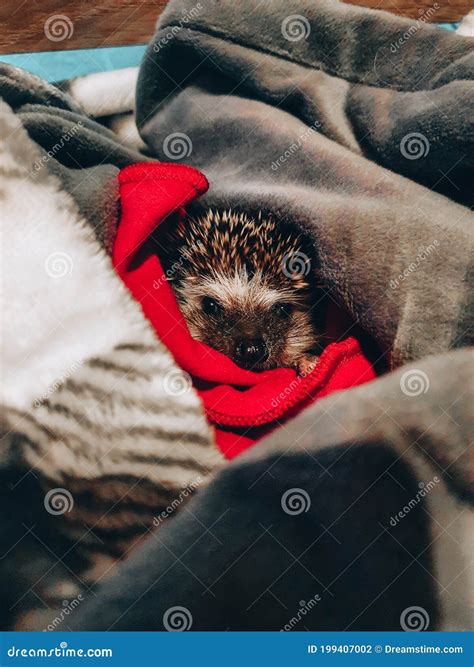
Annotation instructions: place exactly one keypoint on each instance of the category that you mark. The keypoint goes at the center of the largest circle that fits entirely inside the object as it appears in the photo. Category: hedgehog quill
(243, 286)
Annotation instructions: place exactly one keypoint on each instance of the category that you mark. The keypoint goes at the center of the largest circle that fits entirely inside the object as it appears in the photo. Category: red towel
(242, 406)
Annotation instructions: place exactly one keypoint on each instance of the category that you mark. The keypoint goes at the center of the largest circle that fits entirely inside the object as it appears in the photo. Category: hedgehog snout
(250, 351)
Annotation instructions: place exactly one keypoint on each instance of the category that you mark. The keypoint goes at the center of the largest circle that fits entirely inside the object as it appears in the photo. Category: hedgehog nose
(251, 350)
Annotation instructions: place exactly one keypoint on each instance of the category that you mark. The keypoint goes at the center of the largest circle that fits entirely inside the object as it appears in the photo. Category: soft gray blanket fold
(287, 107)
(355, 126)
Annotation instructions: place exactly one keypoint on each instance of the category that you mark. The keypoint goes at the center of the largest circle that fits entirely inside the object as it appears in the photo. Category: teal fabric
(449, 26)
(59, 65)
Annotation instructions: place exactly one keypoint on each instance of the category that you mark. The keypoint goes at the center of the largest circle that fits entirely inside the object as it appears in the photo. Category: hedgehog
(244, 285)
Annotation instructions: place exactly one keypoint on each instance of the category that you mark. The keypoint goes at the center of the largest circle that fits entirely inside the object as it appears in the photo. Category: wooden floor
(443, 11)
(52, 25)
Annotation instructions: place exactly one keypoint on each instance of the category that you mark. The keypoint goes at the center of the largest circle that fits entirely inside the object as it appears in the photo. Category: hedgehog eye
(211, 306)
(283, 309)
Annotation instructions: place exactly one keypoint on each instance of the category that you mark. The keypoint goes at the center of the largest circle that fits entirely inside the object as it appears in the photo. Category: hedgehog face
(255, 323)
(230, 276)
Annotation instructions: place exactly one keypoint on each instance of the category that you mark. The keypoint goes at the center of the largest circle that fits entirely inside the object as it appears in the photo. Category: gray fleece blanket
(356, 515)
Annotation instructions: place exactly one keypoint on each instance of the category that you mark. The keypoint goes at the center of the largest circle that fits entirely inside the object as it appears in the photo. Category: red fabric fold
(243, 406)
